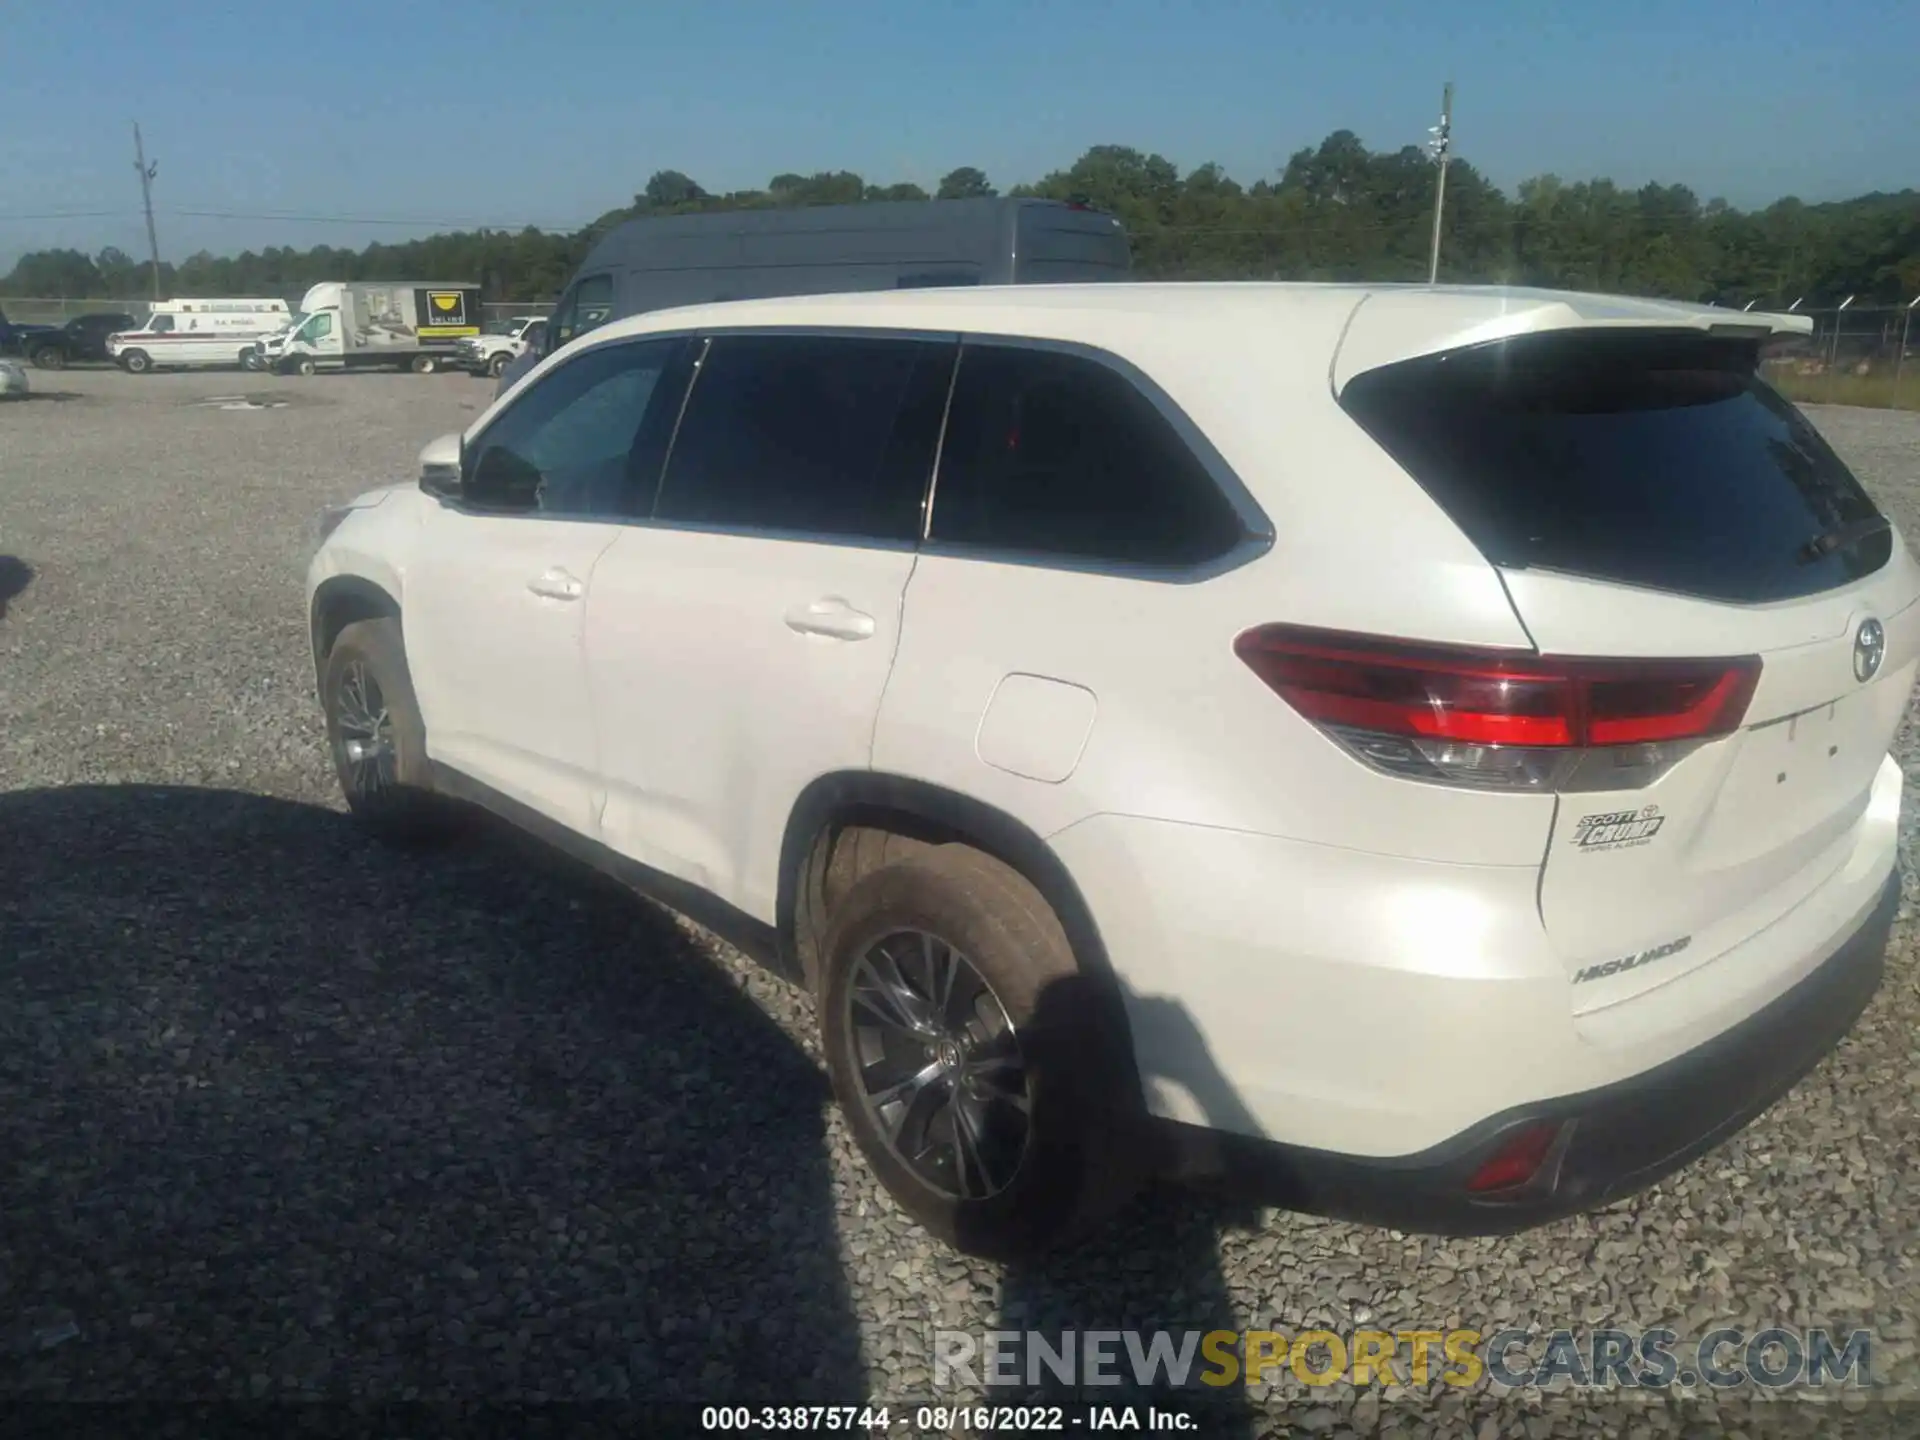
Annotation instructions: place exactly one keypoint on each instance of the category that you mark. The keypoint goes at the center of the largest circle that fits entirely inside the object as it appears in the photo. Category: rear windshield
(1655, 460)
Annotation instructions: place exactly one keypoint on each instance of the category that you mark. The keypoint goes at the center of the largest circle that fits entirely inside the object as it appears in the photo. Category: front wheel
(425, 364)
(986, 1077)
(497, 365)
(303, 366)
(250, 360)
(136, 362)
(376, 736)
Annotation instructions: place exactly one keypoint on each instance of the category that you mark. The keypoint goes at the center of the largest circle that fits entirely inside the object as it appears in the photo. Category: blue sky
(496, 112)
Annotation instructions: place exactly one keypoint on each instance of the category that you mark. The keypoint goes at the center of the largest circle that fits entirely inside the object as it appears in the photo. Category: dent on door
(1036, 727)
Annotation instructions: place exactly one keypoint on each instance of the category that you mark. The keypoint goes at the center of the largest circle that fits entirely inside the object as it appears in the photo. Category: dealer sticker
(1617, 829)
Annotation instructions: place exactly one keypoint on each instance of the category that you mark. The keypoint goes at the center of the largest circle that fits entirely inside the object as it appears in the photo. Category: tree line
(1338, 211)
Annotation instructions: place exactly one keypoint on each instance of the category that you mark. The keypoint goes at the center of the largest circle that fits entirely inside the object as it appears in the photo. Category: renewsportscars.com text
(1771, 1358)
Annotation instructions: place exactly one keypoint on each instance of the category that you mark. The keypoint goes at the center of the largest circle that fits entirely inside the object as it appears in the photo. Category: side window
(590, 305)
(828, 435)
(160, 325)
(319, 327)
(568, 446)
(1056, 454)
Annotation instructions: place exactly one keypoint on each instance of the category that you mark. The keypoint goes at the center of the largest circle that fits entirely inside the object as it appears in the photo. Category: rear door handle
(833, 617)
(557, 584)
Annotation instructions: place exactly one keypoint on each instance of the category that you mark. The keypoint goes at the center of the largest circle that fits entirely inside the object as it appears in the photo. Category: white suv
(1413, 754)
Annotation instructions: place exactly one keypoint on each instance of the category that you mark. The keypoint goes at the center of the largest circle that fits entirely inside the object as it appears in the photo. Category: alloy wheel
(940, 1068)
(365, 745)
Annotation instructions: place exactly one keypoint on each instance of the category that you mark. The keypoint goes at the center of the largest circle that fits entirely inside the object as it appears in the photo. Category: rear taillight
(1501, 720)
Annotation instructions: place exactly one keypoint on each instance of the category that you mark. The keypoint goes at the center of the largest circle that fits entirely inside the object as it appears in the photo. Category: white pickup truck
(490, 354)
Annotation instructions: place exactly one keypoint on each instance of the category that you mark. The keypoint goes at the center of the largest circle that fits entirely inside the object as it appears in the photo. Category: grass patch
(1876, 391)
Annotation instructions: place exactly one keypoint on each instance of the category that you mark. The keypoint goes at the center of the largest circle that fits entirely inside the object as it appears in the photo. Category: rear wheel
(376, 735)
(250, 360)
(50, 357)
(136, 362)
(425, 364)
(985, 1076)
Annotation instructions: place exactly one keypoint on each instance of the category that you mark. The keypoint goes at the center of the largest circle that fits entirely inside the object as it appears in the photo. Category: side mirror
(440, 465)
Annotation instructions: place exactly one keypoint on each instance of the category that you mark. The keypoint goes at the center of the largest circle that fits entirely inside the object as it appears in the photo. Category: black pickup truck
(82, 338)
(19, 339)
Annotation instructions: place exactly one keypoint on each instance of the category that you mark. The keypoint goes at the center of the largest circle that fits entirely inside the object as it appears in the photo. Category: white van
(198, 333)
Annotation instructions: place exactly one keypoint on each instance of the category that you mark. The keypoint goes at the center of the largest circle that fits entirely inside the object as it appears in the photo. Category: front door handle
(833, 617)
(557, 584)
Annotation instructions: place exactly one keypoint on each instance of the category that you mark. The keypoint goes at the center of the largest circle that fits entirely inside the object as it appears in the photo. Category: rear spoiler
(1397, 323)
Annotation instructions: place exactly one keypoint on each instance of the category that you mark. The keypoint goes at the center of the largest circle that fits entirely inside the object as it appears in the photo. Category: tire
(367, 694)
(1040, 1182)
(50, 357)
(303, 366)
(498, 363)
(136, 362)
(425, 364)
(251, 361)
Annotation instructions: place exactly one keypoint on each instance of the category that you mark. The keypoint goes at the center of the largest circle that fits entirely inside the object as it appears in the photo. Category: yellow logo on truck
(446, 316)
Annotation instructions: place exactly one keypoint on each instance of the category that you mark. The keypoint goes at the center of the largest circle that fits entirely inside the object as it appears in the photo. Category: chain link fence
(1856, 355)
(1860, 340)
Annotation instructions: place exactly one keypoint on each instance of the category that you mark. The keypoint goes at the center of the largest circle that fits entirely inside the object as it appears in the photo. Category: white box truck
(396, 324)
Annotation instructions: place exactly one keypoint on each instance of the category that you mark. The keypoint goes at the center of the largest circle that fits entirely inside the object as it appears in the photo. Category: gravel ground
(285, 1114)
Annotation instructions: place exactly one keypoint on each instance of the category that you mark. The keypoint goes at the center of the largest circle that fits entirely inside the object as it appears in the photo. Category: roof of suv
(1366, 324)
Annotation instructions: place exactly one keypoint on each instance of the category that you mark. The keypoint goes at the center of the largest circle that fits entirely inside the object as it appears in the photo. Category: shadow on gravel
(285, 1113)
(46, 397)
(1156, 1270)
(15, 576)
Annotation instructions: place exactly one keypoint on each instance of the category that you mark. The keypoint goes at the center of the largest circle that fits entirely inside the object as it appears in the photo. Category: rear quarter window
(1055, 455)
(1655, 460)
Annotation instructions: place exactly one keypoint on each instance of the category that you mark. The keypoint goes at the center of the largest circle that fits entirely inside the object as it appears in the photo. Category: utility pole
(1440, 147)
(147, 172)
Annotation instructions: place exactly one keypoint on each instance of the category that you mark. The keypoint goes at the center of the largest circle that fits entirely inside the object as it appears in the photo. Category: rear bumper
(1615, 1140)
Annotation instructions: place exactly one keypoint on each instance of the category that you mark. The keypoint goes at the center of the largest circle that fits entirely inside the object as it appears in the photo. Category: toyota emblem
(1869, 649)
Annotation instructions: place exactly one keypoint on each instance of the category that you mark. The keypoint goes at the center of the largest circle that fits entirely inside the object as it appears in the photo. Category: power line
(359, 220)
(72, 215)
(287, 217)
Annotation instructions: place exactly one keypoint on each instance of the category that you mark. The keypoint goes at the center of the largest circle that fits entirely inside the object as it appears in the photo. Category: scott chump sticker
(1618, 829)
